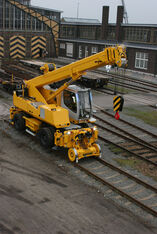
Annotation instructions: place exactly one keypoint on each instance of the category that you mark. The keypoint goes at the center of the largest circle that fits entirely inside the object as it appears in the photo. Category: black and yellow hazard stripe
(52, 24)
(17, 47)
(38, 43)
(117, 103)
(1, 47)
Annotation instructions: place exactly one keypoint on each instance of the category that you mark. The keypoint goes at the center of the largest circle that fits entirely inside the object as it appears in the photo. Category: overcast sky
(139, 11)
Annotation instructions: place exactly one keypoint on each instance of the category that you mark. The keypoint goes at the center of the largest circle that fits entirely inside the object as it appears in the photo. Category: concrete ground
(106, 101)
(39, 197)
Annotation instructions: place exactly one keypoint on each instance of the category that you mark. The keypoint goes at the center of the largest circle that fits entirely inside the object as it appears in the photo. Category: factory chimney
(120, 15)
(105, 19)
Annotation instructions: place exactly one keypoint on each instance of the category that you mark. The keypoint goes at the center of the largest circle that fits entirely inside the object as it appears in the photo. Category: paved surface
(37, 196)
(106, 101)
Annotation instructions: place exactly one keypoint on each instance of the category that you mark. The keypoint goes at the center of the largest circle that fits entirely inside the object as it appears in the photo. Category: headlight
(94, 128)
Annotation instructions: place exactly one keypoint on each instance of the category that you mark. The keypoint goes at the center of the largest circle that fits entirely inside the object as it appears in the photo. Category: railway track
(130, 138)
(106, 91)
(133, 87)
(151, 102)
(134, 80)
(21, 70)
(133, 83)
(119, 79)
(132, 188)
(135, 190)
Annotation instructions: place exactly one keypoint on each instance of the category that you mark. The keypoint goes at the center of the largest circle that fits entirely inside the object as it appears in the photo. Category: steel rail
(130, 124)
(154, 189)
(128, 151)
(126, 138)
(122, 193)
(143, 143)
(122, 77)
(107, 90)
(130, 86)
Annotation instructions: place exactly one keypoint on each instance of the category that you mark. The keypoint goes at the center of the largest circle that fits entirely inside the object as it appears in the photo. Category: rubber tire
(46, 137)
(19, 122)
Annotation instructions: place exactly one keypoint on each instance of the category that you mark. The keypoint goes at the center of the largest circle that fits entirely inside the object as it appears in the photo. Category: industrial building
(80, 38)
(27, 31)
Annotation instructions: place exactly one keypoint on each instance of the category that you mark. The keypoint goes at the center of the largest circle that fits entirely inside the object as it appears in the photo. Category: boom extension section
(60, 117)
(115, 56)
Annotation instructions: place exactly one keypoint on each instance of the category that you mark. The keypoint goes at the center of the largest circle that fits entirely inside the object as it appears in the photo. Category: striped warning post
(1, 47)
(118, 102)
(17, 47)
(38, 46)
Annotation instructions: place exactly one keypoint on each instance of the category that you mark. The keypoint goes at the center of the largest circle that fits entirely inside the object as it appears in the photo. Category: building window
(155, 37)
(111, 33)
(87, 32)
(68, 31)
(94, 50)
(62, 46)
(137, 34)
(86, 51)
(80, 51)
(69, 51)
(141, 60)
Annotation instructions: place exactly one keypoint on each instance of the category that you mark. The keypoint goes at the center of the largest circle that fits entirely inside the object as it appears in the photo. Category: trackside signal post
(118, 102)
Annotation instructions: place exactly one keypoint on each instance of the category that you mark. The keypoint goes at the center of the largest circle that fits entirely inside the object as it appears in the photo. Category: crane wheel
(72, 154)
(46, 137)
(98, 149)
(19, 122)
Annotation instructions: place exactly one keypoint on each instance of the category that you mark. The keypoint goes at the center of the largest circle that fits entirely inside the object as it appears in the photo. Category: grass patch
(120, 89)
(133, 163)
(118, 151)
(115, 149)
(142, 167)
(148, 117)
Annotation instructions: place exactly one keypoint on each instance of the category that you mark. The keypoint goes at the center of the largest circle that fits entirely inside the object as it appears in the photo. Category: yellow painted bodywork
(13, 111)
(79, 140)
(110, 56)
(32, 123)
(70, 138)
(43, 106)
(51, 114)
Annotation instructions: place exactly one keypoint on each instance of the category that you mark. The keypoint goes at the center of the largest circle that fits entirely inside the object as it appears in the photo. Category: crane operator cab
(78, 101)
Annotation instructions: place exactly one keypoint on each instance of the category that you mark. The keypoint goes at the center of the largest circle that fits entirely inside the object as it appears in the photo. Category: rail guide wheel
(98, 149)
(72, 154)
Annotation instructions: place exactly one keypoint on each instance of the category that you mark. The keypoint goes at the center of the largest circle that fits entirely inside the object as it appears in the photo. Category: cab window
(70, 100)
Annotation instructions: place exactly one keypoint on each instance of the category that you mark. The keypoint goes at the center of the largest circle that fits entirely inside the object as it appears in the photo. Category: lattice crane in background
(126, 21)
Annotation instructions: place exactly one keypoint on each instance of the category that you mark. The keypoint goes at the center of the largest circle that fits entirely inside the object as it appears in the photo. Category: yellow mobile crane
(60, 117)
